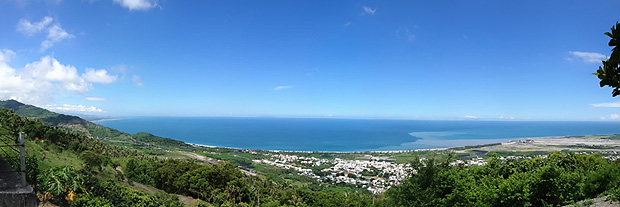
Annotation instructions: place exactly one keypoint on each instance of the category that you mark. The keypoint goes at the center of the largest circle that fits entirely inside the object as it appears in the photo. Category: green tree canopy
(609, 74)
(92, 159)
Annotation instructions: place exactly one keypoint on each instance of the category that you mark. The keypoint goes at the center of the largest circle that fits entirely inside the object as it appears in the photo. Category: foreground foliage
(609, 73)
(559, 179)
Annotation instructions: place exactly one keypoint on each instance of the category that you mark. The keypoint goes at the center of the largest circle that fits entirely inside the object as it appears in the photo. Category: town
(375, 174)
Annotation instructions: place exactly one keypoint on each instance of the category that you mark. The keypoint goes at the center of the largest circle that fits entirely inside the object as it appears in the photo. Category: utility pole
(22, 158)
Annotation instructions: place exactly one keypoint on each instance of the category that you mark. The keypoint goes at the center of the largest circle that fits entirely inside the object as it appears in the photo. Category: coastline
(510, 141)
(351, 136)
(106, 119)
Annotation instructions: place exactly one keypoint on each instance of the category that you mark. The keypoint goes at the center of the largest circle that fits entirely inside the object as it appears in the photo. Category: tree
(609, 74)
(92, 159)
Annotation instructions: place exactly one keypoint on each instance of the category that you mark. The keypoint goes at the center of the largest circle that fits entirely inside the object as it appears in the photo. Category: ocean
(345, 135)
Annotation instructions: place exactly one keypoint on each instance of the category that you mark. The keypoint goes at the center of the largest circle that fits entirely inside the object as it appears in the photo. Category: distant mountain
(79, 125)
(73, 123)
(29, 110)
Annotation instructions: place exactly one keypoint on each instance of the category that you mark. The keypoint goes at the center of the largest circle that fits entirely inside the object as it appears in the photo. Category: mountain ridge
(81, 126)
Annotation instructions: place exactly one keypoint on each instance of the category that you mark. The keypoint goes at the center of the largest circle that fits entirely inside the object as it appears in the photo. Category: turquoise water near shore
(341, 135)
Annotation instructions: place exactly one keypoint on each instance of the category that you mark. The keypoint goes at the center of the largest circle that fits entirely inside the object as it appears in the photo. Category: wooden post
(22, 158)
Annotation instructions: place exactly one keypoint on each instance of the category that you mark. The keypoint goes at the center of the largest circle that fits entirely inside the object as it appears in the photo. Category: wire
(10, 145)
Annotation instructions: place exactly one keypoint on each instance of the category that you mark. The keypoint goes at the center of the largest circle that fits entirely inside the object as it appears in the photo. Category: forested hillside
(74, 123)
(80, 126)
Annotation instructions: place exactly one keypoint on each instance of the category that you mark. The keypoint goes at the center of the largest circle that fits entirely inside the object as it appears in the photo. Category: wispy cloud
(506, 117)
(611, 117)
(137, 4)
(347, 24)
(93, 98)
(137, 81)
(470, 117)
(277, 88)
(405, 33)
(55, 33)
(73, 108)
(31, 28)
(6, 56)
(590, 57)
(99, 76)
(368, 10)
(607, 105)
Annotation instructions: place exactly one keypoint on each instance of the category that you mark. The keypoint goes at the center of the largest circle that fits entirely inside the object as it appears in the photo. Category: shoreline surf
(398, 151)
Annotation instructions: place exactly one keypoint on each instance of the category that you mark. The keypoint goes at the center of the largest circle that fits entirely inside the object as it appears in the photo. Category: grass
(52, 156)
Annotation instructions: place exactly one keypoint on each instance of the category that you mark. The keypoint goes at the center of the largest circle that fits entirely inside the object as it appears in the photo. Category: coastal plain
(375, 171)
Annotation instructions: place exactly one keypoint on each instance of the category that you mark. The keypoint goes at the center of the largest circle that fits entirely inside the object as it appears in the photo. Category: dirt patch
(552, 144)
(187, 200)
(200, 157)
(596, 202)
(212, 161)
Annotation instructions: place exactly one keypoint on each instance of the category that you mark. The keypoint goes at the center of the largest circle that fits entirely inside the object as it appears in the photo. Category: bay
(343, 135)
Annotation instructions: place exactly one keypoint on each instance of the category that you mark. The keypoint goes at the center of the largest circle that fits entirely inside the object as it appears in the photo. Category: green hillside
(81, 126)
(60, 120)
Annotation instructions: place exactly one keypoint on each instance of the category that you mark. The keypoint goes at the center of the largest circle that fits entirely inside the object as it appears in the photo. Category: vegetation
(559, 179)
(223, 184)
(59, 182)
(159, 141)
(609, 73)
(73, 123)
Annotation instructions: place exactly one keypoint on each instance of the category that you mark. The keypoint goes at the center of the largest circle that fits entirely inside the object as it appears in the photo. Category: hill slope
(84, 127)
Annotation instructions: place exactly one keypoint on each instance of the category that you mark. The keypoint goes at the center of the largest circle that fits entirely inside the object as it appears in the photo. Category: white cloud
(137, 4)
(6, 55)
(40, 81)
(607, 105)
(98, 76)
(506, 118)
(93, 98)
(470, 117)
(49, 70)
(28, 28)
(611, 117)
(368, 10)
(137, 81)
(277, 88)
(590, 57)
(73, 108)
(55, 34)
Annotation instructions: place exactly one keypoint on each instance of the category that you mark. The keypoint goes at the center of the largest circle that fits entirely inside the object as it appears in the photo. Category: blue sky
(485, 60)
